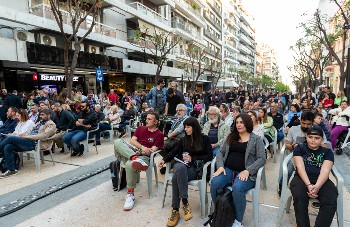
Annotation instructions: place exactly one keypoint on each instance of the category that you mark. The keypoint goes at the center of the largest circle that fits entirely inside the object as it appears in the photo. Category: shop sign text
(56, 77)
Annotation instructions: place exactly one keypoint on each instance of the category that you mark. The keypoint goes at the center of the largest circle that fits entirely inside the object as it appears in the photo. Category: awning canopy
(227, 83)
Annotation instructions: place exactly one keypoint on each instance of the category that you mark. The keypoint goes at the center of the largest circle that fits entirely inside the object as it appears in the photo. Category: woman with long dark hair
(237, 163)
(194, 149)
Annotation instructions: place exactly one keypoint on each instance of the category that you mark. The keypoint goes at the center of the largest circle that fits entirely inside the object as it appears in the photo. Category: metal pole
(348, 75)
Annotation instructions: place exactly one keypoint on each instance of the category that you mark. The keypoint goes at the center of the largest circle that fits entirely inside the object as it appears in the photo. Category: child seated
(318, 121)
(311, 180)
(197, 110)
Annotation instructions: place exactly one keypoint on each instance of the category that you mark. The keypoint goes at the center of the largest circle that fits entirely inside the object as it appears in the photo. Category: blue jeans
(73, 138)
(239, 190)
(215, 150)
(280, 136)
(13, 144)
(102, 127)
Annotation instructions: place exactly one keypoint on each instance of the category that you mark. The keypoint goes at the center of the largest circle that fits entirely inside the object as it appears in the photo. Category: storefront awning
(227, 83)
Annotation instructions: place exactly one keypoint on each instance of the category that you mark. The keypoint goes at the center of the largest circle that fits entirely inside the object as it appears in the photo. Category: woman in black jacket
(193, 148)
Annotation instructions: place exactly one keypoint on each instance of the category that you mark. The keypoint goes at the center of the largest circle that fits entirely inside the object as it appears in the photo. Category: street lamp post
(346, 27)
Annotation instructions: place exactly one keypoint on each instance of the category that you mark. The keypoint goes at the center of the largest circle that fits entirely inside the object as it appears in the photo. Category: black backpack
(118, 178)
(224, 213)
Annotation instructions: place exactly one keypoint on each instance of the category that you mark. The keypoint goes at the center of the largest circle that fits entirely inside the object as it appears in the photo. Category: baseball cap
(315, 130)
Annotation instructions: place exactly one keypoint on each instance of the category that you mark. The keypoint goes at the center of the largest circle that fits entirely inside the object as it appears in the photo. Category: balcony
(187, 31)
(212, 36)
(245, 39)
(44, 10)
(244, 49)
(217, 10)
(246, 30)
(194, 14)
(130, 66)
(213, 21)
(230, 45)
(212, 52)
(149, 12)
(244, 59)
(231, 59)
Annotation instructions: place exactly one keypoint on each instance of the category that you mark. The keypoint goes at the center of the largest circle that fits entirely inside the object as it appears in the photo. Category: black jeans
(327, 195)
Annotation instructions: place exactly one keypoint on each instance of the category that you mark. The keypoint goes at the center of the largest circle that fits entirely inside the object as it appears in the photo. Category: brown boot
(187, 210)
(174, 218)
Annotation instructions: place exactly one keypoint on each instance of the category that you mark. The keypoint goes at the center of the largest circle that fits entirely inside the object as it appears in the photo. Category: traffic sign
(99, 75)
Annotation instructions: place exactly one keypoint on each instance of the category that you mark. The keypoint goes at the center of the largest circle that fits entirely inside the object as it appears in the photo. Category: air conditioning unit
(47, 40)
(23, 36)
(81, 46)
(94, 49)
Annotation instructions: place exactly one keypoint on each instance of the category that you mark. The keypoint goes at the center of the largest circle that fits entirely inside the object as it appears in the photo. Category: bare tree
(78, 11)
(217, 70)
(196, 55)
(156, 45)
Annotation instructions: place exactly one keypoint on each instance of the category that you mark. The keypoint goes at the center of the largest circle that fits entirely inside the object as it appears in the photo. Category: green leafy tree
(78, 11)
(266, 81)
(279, 86)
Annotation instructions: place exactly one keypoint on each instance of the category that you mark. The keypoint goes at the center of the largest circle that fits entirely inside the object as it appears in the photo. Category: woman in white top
(258, 129)
(107, 108)
(25, 125)
(114, 116)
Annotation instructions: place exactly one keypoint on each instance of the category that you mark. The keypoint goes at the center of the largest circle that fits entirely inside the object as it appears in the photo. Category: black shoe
(162, 170)
(47, 152)
(75, 153)
(316, 205)
(279, 191)
(81, 150)
(91, 141)
(97, 143)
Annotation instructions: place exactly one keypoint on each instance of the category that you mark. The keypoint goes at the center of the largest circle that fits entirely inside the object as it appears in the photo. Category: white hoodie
(339, 117)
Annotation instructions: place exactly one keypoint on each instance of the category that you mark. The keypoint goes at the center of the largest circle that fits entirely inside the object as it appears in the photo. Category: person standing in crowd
(91, 99)
(207, 96)
(11, 100)
(76, 97)
(113, 97)
(238, 161)
(146, 139)
(157, 97)
(231, 96)
(174, 85)
(311, 180)
(42, 97)
(193, 148)
(215, 129)
(172, 101)
(217, 97)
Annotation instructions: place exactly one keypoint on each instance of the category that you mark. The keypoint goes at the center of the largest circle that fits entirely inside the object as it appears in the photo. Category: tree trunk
(66, 69)
(159, 69)
(341, 81)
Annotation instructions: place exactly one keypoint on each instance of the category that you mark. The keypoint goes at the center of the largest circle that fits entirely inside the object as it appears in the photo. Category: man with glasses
(85, 121)
(277, 121)
(146, 139)
(41, 131)
(157, 97)
(177, 130)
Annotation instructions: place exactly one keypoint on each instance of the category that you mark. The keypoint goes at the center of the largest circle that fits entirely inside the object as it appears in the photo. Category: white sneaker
(237, 224)
(139, 164)
(129, 202)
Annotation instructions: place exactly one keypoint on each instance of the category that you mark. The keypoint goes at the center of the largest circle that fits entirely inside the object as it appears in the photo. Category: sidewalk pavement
(101, 206)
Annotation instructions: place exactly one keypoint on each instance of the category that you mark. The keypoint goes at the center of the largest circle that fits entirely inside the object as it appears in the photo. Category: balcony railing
(244, 49)
(149, 12)
(218, 11)
(185, 5)
(144, 43)
(44, 10)
(186, 27)
(212, 36)
(212, 52)
(217, 25)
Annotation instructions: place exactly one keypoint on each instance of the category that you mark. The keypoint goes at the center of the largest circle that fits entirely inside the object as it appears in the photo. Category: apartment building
(34, 46)
(247, 43)
(266, 61)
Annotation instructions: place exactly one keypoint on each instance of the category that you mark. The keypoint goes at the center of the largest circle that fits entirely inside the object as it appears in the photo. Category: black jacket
(12, 101)
(64, 119)
(89, 119)
(277, 120)
(206, 154)
(9, 126)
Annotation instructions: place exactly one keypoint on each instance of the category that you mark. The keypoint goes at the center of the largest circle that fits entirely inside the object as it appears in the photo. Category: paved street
(90, 201)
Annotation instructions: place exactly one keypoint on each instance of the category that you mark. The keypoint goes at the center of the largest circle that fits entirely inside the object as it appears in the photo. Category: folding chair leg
(149, 181)
(86, 147)
(156, 174)
(202, 200)
(255, 203)
(53, 161)
(42, 157)
(166, 189)
(264, 178)
(37, 161)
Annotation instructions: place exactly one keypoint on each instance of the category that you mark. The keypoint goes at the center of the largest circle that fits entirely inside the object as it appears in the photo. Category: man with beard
(85, 121)
(64, 121)
(296, 136)
(215, 129)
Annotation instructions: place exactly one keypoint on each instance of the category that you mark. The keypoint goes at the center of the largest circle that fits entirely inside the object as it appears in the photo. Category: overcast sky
(276, 22)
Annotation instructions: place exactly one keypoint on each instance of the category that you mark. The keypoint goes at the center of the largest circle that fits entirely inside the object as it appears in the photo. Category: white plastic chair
(254, 192)
(38, 154)
(201, 184)
(149, 174)
(112, 131)
(85, 142)
(286, 197)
